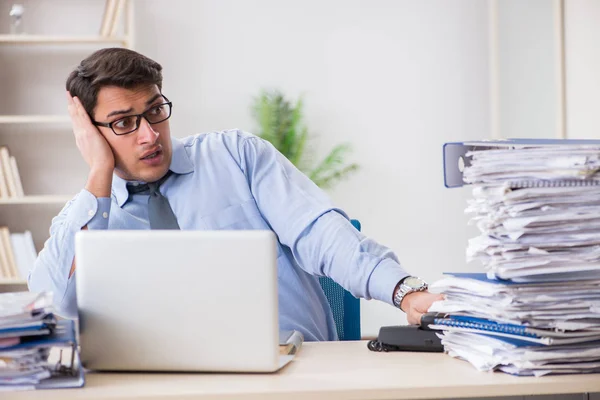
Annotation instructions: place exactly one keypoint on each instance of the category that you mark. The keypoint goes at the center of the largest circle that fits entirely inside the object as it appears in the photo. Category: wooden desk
(338, 370)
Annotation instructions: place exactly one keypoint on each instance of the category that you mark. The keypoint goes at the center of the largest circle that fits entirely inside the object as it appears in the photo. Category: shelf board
(38, 199)
(61, 39)
(13, 281)
(33, 119)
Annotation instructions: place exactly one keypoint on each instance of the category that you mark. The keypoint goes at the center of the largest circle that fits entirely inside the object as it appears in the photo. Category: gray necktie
(160, 214)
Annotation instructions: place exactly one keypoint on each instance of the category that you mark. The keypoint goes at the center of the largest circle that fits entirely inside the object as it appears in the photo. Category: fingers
(73, 110)
(76, 110)
(70, 105)
(433, 299)
(418, 308)
(415, 317)
(81, 110)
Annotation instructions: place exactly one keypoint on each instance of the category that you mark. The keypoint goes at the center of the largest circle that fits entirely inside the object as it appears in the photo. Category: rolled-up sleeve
(52, 267)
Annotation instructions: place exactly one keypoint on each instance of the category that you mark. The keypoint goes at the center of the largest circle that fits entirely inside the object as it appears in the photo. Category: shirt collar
(180, 164)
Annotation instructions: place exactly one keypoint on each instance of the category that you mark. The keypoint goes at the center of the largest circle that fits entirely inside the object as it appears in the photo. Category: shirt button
(105, 214)
(91, 213)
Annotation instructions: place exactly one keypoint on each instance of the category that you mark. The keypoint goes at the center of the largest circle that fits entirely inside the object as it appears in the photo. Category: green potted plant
(282, 124)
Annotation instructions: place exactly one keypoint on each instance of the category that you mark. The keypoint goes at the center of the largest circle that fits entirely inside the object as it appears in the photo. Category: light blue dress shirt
(235, 180)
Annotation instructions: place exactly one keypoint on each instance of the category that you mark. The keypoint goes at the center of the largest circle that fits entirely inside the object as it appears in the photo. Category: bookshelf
(39, 199)
(11, 281)
(34, 119)
(12, 285)
(61, 40)
(37, 137)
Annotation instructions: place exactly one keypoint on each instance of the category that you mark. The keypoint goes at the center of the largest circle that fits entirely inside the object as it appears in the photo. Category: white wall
(397, 79)
(528, 70)
(582, 68)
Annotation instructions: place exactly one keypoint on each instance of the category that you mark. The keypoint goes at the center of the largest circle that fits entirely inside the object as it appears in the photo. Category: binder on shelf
(10, 180)
(116, 17)
(17, 254)
(29, 242)
(10, 256)
(455, 154)
(6, 167)
(4, 194)
(24, 251)
(5, 272)
(17, 177)
(110, 7)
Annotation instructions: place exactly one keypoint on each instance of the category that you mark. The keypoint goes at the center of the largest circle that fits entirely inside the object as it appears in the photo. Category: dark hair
(111, 67)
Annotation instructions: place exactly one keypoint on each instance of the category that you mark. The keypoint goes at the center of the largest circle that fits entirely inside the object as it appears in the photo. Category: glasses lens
(125, 125)
(158, 114)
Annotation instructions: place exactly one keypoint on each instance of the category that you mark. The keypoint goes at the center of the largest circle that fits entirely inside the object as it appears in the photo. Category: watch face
(413, 282)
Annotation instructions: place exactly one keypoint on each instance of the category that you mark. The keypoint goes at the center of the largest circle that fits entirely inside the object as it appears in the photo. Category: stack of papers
(537, 210)
(563, 306)
(536, 308)
(29, 333)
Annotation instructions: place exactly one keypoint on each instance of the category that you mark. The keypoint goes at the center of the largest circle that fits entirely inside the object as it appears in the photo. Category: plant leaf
(333, 160)
(327, 181)
(282, 125)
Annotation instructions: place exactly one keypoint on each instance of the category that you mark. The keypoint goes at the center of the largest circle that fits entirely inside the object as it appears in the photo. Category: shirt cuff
(384, 279)
(86, 209)
(100, 219)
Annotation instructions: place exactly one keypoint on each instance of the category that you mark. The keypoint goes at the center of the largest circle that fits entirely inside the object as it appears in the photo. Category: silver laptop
(178, 300)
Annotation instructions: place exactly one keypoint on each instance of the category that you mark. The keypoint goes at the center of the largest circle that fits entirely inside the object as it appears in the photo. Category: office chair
(345, 307)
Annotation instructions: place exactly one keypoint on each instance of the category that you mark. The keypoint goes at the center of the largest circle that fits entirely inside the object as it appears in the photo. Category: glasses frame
(138, 118)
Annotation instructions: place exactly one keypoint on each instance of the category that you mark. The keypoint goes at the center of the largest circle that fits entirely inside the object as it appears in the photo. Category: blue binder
(455, 153)
(68, 372)
(509, 332)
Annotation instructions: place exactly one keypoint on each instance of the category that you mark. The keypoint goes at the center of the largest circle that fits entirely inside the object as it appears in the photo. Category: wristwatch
(408, 285)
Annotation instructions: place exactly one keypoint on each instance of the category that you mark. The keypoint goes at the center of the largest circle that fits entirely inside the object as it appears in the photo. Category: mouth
(152, 155)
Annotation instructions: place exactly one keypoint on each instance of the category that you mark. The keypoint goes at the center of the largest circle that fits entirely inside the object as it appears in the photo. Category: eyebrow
(119, 112)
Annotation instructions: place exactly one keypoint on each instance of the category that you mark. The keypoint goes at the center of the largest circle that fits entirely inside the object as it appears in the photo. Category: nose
(145, 133)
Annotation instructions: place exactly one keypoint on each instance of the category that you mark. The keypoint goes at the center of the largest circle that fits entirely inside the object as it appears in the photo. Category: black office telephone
(406, 338)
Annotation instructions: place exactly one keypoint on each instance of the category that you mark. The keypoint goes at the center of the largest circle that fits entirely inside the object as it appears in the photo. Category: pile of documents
(536, 308)
(36, 351)
(538, 211)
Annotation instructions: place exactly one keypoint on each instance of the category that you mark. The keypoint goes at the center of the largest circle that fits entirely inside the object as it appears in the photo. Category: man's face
(145, 154)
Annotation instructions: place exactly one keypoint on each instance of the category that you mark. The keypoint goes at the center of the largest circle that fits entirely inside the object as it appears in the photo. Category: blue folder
(68, 372)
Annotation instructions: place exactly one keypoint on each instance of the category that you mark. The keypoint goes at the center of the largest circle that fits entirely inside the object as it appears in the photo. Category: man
(221, 180)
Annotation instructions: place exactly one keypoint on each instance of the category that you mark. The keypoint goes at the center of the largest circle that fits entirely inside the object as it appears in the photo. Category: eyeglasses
(154, 115)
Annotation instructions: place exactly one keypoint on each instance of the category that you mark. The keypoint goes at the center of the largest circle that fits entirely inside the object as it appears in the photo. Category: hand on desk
(417, 303)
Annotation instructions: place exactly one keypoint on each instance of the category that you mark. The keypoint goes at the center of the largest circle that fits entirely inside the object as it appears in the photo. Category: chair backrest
(345, 307)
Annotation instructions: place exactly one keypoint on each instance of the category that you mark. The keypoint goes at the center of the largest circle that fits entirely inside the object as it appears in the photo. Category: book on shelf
(17, 254)
(17, 177)
(3, 184)
(112, 13)
(109, 8)
(116, 17)
(10, 178)
(10, 255)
